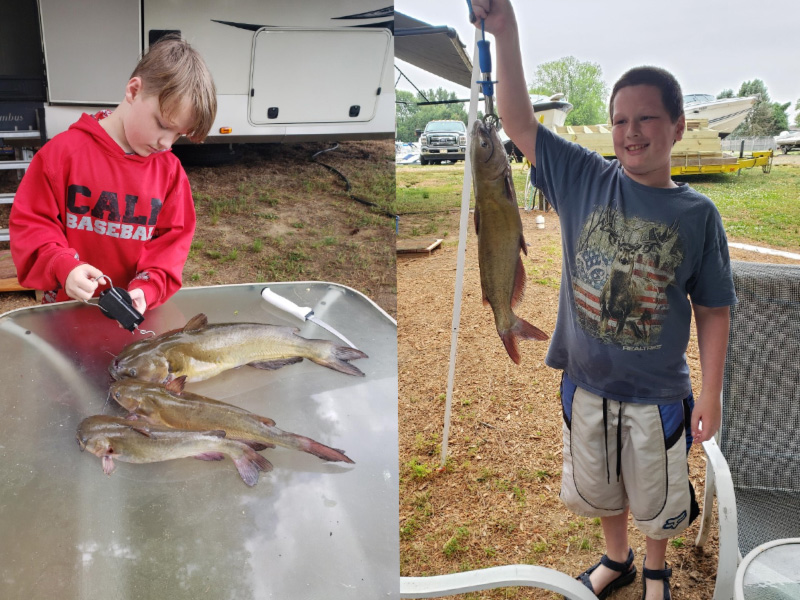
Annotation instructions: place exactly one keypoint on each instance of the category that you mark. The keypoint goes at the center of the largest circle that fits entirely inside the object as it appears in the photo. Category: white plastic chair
(754, 465)
(437, 586)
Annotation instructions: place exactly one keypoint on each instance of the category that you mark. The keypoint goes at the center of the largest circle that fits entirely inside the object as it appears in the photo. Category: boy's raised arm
(513, 101)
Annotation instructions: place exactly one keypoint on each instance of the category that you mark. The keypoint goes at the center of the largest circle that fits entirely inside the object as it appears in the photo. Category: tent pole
(462, 250)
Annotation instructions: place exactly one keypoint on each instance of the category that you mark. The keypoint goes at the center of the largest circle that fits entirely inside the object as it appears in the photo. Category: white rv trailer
(285, 70)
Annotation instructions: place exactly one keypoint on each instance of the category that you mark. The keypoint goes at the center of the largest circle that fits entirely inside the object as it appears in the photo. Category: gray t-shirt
(633, 256)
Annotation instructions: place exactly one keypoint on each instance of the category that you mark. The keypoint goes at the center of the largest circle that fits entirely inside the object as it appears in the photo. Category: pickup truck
(441, 141)
(788, 140)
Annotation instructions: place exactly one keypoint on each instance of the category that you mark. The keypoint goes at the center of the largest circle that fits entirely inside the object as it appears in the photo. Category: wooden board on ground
(8, 274)
(11, 285)
(417, 246)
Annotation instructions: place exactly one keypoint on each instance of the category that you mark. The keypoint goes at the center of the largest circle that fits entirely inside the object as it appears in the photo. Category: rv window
(156, 34)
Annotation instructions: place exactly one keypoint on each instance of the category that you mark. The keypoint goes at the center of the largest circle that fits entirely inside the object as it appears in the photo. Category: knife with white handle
(304, 313)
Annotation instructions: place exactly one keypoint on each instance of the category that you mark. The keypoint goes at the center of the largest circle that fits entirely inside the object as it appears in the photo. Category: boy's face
(146, 129)
(644, 134)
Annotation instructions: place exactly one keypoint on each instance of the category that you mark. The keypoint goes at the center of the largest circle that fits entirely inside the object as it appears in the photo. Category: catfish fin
(522, 330)
(526, 331)
(210, 456)
(523, 245)
(175, 386)
(477, 220)
(139, 427)
(271, 365)
(249, 465)
(255, 445)
(305, 444)
(265, 420)
(509, 186)
(337, 358)
(519, 283)
(108, 465)
(196, 323)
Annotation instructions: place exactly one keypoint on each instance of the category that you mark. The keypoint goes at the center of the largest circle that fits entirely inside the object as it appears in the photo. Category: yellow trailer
(693, 165)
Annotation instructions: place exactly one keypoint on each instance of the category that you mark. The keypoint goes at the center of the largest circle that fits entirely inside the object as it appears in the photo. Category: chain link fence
(751, 144)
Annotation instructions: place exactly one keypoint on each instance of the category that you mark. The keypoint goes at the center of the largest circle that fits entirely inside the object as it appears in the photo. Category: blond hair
(172, 70)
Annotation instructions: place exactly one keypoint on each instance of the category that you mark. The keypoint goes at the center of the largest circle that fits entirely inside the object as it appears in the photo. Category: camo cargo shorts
(622, 454)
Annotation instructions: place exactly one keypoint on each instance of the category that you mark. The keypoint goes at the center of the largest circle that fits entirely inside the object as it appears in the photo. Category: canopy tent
(436, 49)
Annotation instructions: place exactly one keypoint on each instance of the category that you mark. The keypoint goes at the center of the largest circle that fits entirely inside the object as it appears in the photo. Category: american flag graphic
(644, 322)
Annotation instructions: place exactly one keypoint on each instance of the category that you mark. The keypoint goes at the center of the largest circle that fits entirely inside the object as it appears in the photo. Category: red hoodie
(83, 200)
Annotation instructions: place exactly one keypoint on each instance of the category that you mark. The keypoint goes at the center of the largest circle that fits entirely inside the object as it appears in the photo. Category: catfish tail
(520, 330)
(336, 357)
(249, 464)
(305, 444)
(322, 451)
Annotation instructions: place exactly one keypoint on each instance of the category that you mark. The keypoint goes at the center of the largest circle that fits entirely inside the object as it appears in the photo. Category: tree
(780, 117)
(797, 116)
(767, 118)
(410, 116)
(582, 84)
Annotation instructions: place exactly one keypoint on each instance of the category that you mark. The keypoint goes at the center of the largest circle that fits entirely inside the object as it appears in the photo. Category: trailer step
(8, 165)
(20, 135)
(7, 198)
(4, 237)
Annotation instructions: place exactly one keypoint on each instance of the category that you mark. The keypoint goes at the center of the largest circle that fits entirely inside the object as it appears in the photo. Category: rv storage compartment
(316, 75)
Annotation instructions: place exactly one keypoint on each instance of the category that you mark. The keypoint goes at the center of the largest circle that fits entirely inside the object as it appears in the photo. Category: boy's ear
(133, 89)
(681, 127)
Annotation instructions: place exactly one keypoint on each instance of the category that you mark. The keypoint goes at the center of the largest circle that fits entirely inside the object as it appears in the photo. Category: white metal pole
(462, 248)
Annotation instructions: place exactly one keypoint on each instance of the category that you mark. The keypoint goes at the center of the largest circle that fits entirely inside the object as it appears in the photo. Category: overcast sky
(709, 45)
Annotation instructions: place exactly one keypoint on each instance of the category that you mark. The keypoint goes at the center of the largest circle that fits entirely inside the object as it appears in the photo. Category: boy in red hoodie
(108, 198)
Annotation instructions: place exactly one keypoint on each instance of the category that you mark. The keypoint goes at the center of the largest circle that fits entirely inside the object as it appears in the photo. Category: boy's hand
(137, 298)
(82, 282)
(706, 415)
(498, 15)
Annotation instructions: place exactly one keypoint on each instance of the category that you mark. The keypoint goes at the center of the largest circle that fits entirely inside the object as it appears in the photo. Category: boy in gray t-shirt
(641, 254)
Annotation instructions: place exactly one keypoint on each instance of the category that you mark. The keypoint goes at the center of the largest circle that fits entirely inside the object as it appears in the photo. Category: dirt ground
(496, 501)
(274, 215)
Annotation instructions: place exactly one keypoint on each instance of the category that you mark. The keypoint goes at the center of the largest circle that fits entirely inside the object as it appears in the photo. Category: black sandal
(656, 574)
(627, 572)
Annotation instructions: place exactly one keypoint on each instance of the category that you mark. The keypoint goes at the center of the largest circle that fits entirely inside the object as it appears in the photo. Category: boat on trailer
(723, 114)
(550, 111)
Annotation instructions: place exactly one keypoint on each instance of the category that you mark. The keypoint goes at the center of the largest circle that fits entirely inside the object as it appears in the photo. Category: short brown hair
(172, 70)
(671, 94)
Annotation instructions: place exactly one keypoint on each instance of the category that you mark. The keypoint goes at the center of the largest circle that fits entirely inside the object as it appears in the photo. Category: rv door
(90, 48)
(316, 75)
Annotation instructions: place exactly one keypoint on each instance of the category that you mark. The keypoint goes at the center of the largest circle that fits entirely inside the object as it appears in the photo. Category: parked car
(788, 140)
(443, 140)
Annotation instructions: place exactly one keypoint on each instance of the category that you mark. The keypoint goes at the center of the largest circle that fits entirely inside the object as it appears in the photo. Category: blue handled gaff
(485, 62)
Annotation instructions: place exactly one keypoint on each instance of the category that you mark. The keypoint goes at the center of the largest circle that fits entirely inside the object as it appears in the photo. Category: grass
(454, 544)
(418, 469)
(756, 207)
(438, 189)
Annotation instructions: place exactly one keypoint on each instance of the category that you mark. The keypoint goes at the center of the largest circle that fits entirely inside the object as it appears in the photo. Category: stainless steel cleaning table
(188, 528)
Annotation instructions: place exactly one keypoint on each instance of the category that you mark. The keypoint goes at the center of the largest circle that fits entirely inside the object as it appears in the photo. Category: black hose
(348, 186)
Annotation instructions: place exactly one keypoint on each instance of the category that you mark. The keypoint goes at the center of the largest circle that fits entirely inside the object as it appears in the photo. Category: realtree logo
(11, 117)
